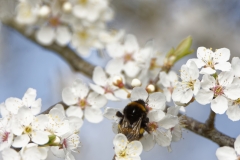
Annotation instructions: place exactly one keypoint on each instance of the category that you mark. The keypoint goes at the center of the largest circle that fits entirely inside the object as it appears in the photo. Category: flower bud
(182, 50)
(136, 82)
(67, 7)
(150, 88)
(44, 11)
(118, 82)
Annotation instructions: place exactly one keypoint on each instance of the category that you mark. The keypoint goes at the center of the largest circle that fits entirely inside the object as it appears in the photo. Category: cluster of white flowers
(220, 84)
(27, 135)
(82, 23)
(163, 127)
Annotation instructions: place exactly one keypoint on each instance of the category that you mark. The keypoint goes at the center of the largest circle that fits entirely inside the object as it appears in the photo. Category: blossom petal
(58, 152)
(134, 148)
(36, 106)
(179, 95)
(13, 104)
(10, 154)
(110, 113)
(74, 111)
(99, 76)
(120, 141)
(25, 116)
(97, 88)
(81, 89)
(207, 70)
(198, 62)
(219, 104)
(225, 78)
(96, 100)
(29, 97)
(147, 142)
(21, 141)
(168, 121)
(111, 97)
(63, 35)
(224, 66)
(131, 44)
(155, 115)
(208, 82)
(157, 100)
(176, 133)
(233, 112)
(226, 153)
(221, 55)
(163, 138)
(68, 96)
(45, 35)
(40, 137)
(131, 69)
(139, 93)
(237, 145)
(232, 91)
(236, 66)
(204, 96)
(93, 115)
(114, 66)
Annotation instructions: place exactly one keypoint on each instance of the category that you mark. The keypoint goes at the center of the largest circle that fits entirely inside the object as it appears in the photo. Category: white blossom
(125, 55)
(104, 85)
(28, 127)
(169, 81)
(28, 100)
(218, 91)
(211, 61)
(190, 84)
(82, 102)
(125, 150)
(6, 135)
(26, 13)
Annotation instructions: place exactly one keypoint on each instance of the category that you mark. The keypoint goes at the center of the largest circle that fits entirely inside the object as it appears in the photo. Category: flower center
(82, 35)
(127, 57)
(217, 90)
(64, 143)
(237, 101)
(210, 63)
(54, 21)
(83, 2)
(123, 153)
(190, 84)
(28, 130)
(82, 103)
(153, 126)
(108, 89)
(5, 136)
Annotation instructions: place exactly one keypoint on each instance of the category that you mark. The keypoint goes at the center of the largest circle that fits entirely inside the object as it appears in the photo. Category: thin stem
(206, 130)
(211, 120)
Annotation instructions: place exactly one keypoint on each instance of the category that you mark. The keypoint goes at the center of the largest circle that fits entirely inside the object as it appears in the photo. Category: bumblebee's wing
(132, 132)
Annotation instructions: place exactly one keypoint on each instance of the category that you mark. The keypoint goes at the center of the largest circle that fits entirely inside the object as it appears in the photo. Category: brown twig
(76, 62)
(206, 130)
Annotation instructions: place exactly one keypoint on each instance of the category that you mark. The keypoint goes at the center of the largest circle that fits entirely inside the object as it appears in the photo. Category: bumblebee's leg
(144, 124)
(119, 114)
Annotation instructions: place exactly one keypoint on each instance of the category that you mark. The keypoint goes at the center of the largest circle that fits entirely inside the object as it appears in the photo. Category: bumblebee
(133, 121)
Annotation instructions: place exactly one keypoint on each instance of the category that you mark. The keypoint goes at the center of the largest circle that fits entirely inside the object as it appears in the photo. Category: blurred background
(211, 23)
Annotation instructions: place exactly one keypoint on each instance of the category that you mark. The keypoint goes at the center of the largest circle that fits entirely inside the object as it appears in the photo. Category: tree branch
(206, 130)
(76, 62)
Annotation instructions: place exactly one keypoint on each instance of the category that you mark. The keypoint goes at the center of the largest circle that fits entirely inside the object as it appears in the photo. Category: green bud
(51, 139)
(182, 50)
